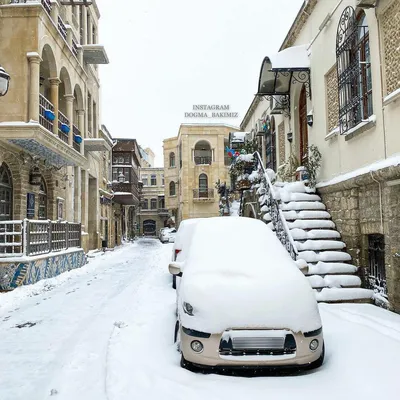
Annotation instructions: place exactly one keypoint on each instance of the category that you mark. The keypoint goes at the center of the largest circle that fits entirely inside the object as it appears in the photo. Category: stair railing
(278, 220)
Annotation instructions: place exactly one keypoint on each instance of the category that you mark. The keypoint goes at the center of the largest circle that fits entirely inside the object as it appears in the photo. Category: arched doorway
(203, 186)
(303, 127)
(149, 227)
(42, 200)
(6, 194)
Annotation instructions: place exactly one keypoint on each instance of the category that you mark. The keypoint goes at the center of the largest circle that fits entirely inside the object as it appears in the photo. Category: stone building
(126, 161)
(194, 161)
(52, 152)
(335, 84)
(153, 214)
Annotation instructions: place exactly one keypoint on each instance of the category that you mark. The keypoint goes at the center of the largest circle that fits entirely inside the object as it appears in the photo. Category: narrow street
(105, 332)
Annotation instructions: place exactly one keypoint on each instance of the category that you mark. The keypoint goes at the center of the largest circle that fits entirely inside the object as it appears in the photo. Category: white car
(168, 235)
(182, 242)
(243, 302)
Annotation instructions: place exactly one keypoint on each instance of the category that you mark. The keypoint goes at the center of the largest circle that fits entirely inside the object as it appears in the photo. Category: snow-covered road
(104, 332)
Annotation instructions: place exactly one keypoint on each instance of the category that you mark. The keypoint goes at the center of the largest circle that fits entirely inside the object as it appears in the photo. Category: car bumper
(211, 357)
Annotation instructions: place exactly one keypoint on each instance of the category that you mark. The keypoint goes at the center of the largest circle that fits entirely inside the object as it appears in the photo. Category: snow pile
(303, 205)
(301, 234)
(254, 176)
(302, 264)
(335, 294)
(320, 245)
(245, 157)
(258, 287)
(323, 268)
(183, 238)
(234, 208)
(312, 256)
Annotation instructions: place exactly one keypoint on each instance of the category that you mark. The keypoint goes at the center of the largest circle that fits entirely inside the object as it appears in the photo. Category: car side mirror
(175, 268)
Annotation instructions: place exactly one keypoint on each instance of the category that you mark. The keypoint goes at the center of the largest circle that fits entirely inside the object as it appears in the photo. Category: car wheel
(318, 363)
(173, 282)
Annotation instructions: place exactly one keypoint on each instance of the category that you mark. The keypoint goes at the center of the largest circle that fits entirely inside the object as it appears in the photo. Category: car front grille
(258, 343)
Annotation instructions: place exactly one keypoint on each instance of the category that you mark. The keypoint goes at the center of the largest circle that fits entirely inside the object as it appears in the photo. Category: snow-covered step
(328, 256)
(267, 217)
(324, 268)
(335, 295)
(334, 281)
(301, 234)
(303, 205)
(311, 224)
(286, 197)
(320, 245)
(293, 215)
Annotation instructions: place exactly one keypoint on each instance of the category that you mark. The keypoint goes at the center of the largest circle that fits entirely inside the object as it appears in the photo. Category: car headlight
(188, 309)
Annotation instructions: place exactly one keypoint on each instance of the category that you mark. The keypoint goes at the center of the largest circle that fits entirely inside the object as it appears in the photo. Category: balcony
(63, 127)
(202, 160)
(62, 28)
(203, 195)
(125, 193)
(102, 143)
(163, 212)
(77, 132)
(95, 54)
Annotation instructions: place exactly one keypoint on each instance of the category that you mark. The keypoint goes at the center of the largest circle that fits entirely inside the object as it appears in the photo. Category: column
(81, 127)
(90, 31)
(84, 200)
(69, 36)
(34, 86)
(77, 195)
(84, 25)
(54, 84)
(69, 98)
(54, 12)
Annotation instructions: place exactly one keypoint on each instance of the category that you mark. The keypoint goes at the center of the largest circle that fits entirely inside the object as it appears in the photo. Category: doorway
(303, 125)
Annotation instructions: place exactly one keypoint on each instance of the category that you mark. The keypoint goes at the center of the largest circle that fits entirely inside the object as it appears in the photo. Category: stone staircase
(321, 254)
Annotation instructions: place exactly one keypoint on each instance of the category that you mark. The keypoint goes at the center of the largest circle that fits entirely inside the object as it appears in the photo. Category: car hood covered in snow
(238, 275)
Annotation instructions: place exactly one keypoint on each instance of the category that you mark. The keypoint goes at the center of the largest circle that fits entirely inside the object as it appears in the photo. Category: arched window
(43, 200)
(202, 153)
(354, 69)
(172, 191)
(270, 143)
(172, 160)
(6, 194)
(203, 185)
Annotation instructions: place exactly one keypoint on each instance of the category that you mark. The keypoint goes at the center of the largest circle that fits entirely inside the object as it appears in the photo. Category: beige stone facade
(153, 213)
(50, 116)
(194, 161)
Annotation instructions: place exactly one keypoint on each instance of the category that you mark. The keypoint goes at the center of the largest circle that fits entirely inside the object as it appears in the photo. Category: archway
(42, 212)
(270, 144)
(149, 227)
(202, 153)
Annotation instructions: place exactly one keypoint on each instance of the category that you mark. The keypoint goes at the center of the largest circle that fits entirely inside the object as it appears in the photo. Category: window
(144, 180)
(43, 200)
(119, 159)
(172, 160)
(125, 171)
(6, 191)
(353, 69)
(376, 256)
(161, 202)
(203, 185)
(153, 180)
(172, 189)
(153, 204)
(162, 180)
(202, 153)
(145, 204)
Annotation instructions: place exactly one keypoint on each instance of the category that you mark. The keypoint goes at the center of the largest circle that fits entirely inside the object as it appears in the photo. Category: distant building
(193, 162)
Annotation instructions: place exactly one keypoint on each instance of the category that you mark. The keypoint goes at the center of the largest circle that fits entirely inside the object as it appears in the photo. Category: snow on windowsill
(333, 133)
(361, 127)
(392, 97)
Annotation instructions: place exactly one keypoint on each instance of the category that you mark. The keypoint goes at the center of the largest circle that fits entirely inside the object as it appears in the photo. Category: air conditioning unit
(279, 104)
(366, 3)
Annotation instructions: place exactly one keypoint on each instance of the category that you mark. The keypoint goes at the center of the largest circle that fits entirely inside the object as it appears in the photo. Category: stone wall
(390, 22)
(332, 98)
(361, 207)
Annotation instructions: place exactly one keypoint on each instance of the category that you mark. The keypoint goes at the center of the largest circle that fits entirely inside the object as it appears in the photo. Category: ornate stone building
(54, 158)
(335, 84)
(193, 162)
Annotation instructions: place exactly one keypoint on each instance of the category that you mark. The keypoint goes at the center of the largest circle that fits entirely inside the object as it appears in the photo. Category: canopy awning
(280, 71)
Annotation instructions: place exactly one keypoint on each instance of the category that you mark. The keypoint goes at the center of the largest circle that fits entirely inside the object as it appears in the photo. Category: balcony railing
(202, 160)
(163, 211)
(75, 48)
(45, 111)
(203, 193)
(62, 121)
(62, 28)
(77, 132)
(33, 238)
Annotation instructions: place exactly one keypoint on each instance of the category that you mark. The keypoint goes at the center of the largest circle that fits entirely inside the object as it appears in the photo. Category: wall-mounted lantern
(310, 118)
(121, 178)
(290, 137)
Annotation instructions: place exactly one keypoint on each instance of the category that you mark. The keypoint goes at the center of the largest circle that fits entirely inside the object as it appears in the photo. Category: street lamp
(121, 178)
(4, 81)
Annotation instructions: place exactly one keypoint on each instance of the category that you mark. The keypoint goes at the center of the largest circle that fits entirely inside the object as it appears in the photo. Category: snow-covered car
(168, 235)
(245, 308)
(182, 242)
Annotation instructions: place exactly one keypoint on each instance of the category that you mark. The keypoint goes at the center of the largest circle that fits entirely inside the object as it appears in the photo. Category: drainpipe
(380, 199)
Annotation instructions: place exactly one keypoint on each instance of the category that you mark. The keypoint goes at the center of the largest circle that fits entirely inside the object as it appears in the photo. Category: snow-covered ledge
(333, 133)
(392, 97)
(363, 126)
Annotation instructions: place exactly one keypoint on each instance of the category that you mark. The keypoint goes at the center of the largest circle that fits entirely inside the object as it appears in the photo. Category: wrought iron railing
(202, 160)
(62, 120)
(278, 220)
(163, 211)
(62, 28)
(32, 238)
(203, 193)
(77, 132)
(75, 48)
(45, 108)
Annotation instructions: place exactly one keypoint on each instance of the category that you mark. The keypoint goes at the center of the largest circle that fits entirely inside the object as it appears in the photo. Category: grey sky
(166, 56)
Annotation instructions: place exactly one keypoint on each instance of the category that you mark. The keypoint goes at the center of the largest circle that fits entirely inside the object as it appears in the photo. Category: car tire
(173, 281)
(318, 363)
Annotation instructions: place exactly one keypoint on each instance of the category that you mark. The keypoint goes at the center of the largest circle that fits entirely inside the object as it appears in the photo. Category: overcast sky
(166, 56)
